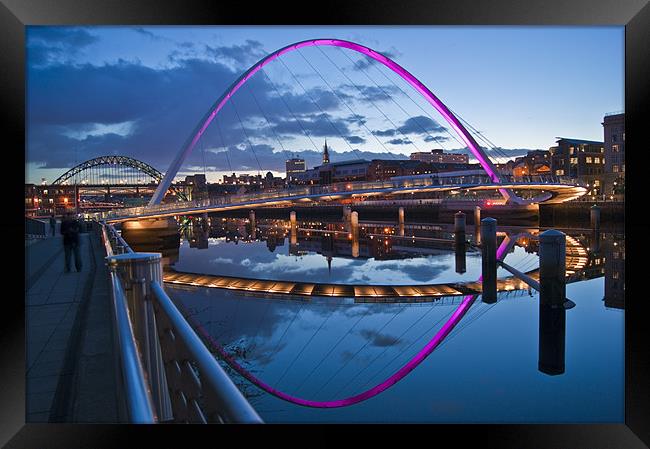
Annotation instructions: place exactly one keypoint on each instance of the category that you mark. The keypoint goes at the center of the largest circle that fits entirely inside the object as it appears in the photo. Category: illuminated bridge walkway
(555, 190)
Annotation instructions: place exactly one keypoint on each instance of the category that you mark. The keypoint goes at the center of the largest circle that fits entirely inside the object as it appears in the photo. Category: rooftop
(578, 141)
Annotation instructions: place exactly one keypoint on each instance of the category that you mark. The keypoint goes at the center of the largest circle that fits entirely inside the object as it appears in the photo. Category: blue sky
(139, 91)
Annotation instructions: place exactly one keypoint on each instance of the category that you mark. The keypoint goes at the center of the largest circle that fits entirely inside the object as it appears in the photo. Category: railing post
(552, 268)
(400, 217)
(138, 271)
(489, 259)
(594, 213)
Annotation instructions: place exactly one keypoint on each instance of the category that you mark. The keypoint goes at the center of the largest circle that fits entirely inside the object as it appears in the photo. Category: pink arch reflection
(390, 381)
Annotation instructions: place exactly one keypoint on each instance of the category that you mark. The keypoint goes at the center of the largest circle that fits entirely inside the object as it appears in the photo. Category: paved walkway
(70, 360)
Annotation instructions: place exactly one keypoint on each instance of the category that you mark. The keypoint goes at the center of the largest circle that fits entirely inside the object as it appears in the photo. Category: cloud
(355, 139)
(420, 125)
(436, 138)
(385, 133)
(372, 94)
(246, 53)
(399, 141)
(147, 33)
(366, 62)
(49, 45)
(378, 339)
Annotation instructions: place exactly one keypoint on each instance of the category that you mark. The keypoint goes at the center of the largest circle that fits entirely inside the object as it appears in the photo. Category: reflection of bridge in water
(576, 261)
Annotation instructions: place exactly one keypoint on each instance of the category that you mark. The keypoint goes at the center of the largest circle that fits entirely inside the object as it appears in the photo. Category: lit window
(623, 167)
(559, 172)
(596, 183)
(597, 160)
(615, 168)
(588, 160)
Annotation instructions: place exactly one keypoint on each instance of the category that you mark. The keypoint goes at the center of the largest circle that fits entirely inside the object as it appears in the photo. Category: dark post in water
(552, 268)
(459, 242)
(595, 216)
(401, 221)
(489, 259)
(552, 336)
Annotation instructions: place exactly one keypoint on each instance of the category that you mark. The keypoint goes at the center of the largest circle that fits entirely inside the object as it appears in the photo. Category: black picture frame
(633, 14)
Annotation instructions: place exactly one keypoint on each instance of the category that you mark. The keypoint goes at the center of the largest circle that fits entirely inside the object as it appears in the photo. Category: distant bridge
(121, 173)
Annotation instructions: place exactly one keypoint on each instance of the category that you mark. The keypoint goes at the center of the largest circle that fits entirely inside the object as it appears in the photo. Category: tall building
(614, 135)
(326, 154)
(439, 156)
(581, 159)
(294, 166)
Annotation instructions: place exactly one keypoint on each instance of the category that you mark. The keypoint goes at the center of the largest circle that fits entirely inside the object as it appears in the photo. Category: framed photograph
(390, 214)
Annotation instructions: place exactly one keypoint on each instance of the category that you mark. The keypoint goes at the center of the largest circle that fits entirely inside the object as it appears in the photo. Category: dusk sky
(140, 91)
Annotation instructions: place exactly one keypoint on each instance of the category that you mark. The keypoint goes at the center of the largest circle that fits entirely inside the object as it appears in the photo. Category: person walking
(70, 229)
(53, 225)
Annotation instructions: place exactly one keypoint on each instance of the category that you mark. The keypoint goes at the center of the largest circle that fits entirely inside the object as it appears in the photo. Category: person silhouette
(53, 225)
(70, 229)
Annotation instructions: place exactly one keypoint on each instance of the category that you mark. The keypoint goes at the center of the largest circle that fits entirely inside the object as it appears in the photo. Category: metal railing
(136, 393)
(343, 188)
(167, 373)
(201, 390)
(34, 228)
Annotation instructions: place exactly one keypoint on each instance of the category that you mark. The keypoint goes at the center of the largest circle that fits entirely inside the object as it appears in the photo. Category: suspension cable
(345, 103)
(267, 121)
(395, 102)
(245, 134)
(290, 111)
(318, 106)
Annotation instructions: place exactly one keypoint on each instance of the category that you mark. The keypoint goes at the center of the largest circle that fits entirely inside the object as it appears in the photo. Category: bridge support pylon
(354, 229)
(489, 260)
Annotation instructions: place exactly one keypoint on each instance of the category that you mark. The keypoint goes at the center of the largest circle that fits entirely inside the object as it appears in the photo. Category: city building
(614, 136)
(243, 179)
(581, 159)
(196, 187)
(43, 200)
(294, 166)
(342, 171)
(326, 154)
(536, 162)
(383, 169)
(439, 156)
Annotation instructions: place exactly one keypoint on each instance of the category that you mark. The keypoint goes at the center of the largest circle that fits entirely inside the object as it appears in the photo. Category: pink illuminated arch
(473, 146)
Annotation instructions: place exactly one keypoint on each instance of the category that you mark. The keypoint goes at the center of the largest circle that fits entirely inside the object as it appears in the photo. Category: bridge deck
(70, 365)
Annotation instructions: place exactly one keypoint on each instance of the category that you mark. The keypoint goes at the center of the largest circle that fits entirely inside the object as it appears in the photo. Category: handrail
(233, 406)
(137, 393)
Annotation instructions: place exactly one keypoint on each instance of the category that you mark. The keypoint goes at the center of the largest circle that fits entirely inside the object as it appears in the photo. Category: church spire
(326, 155)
